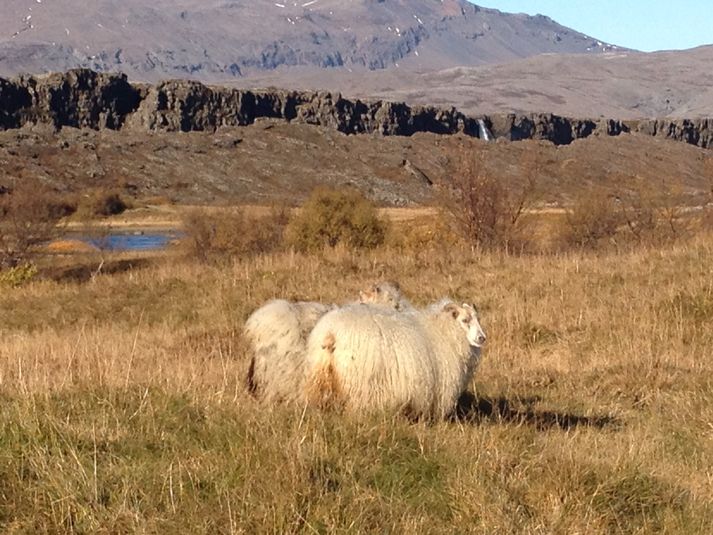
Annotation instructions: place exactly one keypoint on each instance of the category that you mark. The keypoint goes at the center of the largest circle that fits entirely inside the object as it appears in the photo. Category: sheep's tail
(324, 389)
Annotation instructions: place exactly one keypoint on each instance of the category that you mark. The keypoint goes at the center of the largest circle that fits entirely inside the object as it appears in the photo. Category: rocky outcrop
(14, 100)
(178, 106)
(82, 98)
(558, 130)
(697, 132)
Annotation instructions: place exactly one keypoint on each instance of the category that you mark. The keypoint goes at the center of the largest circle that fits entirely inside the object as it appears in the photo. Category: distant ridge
(219, 40)
(85, 99)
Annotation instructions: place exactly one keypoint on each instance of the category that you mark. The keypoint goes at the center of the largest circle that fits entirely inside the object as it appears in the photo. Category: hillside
(623, 84)
(218, 40)
(191, 142)
(423, 52)
(276, 161)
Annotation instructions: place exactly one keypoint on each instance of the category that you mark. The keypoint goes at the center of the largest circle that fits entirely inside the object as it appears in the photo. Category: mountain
(219, 40)
(423, 52)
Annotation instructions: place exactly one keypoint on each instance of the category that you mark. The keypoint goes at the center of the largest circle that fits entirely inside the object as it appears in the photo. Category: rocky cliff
(85, 99)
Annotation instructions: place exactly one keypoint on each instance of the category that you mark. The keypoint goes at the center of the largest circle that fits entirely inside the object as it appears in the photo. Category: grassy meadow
(122, 405)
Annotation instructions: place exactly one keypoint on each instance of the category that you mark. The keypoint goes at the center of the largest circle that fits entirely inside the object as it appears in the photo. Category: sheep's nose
(481, 339)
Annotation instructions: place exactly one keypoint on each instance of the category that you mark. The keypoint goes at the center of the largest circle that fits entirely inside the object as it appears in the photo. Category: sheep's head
(467, 318)
(385, 293)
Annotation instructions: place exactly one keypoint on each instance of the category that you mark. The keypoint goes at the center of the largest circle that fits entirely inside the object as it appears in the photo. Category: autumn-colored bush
(484, 209)
(331, 217)
(627, 210)
(653, 211)
(431, 233)
(101, 203)
(29, 214)
(592, 219)
(219, 234)
(18, 275)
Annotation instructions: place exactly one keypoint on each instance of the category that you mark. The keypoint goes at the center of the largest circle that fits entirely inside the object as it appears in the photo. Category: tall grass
(122, 404)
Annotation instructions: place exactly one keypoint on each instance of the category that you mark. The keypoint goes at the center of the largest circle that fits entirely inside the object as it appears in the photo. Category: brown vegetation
(101, 203)
(333, 217)
(29, 213)
(225, 233)
(591, 412)
(484, 209)
(592, 219)
(708, 208)
(124, 406)
(277, 162)
(625, 210)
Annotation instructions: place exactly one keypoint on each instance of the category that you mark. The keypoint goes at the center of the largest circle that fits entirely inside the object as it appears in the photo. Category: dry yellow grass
(123, 407)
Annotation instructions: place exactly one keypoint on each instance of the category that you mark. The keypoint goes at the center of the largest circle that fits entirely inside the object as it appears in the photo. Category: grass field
(122, 406)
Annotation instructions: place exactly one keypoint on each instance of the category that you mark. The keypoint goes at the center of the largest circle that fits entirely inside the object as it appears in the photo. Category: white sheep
(277, 334)
(370, 357)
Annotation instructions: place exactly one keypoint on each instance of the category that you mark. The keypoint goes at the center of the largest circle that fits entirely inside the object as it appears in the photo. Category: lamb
(277, 333)
(369, 357)
(386, 293)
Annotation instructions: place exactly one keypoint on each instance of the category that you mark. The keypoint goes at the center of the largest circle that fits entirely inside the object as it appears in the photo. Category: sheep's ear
(452, 309)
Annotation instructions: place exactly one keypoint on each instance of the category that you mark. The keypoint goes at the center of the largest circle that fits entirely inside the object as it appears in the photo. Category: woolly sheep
(370, 357)
(277, 333)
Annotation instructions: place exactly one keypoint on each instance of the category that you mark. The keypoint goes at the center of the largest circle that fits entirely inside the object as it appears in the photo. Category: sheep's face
(382, 293)
(467, 318)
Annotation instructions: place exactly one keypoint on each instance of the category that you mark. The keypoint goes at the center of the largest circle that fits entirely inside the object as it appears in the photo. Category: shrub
(425, 233)
(29, 214)
(652, 210)
(331, 217)
(18, 275)
(212, 235)
(592, 219)
(483, 209)
(101, 203)
(627, 209)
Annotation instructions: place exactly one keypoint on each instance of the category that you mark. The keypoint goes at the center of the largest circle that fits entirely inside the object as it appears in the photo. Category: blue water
(132, 242)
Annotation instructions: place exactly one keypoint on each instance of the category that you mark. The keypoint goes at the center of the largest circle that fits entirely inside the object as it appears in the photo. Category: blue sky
(641, 24)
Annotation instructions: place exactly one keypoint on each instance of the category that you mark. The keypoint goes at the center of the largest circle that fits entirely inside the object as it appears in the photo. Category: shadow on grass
(472, 409)
(84, 272)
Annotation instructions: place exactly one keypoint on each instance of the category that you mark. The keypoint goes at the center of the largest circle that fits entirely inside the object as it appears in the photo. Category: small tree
(330, 217)
(484, 209)
(29, 214)
(634, 208)
(652, 209)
